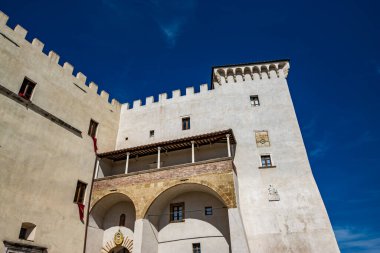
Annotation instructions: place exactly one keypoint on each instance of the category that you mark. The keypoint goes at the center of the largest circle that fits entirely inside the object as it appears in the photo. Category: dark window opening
(27, 88)
(27, 231)
(266, 161)
(186, 123)
(255, 100)
(22, 234)
(122, 220)
(208, 210)
(92, 128)
(196, 248)
(177, 212)
(151, 133)
(80, 192)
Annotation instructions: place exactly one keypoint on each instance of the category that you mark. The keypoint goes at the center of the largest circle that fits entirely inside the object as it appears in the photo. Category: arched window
(122, 220)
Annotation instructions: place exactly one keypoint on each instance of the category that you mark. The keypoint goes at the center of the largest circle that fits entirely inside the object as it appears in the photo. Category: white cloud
(171, 31)
(170, 16)
(319, 147)
(354, 240)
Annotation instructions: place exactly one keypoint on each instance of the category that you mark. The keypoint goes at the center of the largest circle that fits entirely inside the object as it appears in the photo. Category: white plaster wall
(299, 218)
(41, 161)
(112, 217)
(94, 240)
(209, 245)
(212, 231)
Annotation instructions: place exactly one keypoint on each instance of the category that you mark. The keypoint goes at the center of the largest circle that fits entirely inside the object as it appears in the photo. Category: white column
(127, 163)
(97, 168)
(158, 157)
(192, 152)
(228, 145)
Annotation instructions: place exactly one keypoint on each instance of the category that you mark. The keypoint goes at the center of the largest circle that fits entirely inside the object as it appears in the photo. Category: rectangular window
(177, 212)
(255, 100)
(196, 248)
(92, 128)
(186, 123)
(266, 161)
(151, 133)
(208, 210)
(27, 231)
(27, 88)
(80, 192)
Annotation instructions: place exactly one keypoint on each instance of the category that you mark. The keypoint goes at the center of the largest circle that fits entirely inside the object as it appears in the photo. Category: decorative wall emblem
(118, 238)
(262, 139)
(273, 194)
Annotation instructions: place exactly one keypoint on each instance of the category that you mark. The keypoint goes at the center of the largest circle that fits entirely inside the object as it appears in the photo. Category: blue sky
(135, 49)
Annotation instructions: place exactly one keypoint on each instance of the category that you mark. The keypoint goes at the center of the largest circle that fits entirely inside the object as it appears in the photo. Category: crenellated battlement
(163, 97)
(249, 72)
(221, 75)
(224, 75)
(17, 36)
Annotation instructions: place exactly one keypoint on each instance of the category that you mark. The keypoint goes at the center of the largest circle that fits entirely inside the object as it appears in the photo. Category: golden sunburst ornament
(118, 238)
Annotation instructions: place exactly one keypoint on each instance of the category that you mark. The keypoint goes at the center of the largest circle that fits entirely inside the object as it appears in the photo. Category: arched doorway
(189, 216)
(111, 225)
(119, 249)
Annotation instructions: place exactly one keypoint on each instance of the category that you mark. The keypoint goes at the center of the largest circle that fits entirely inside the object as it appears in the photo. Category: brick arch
(110, 245)
(96, 200)
(230, 202)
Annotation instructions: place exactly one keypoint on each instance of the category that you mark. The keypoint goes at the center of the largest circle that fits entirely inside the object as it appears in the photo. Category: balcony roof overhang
(172, 145)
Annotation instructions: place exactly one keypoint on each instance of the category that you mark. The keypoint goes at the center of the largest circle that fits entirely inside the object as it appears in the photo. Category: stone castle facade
(222, 169)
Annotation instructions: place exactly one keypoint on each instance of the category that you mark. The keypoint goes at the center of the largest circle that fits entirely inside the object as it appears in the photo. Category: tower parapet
(249, 72)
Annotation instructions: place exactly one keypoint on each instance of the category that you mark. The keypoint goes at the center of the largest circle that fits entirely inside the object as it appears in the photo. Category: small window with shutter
(80, 192)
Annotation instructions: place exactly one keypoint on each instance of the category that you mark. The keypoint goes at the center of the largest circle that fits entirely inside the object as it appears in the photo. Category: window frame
(27, 231)
(197, 247)
(266, 164)
(172, 218)
(25, 85)
(90, 127)
(79, 190)
(255, 101)
(186, 123)
(208, 210)
(151, 133)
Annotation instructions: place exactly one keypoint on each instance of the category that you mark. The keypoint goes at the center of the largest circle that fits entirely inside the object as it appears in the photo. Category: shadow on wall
(170, 225)
(114, 212)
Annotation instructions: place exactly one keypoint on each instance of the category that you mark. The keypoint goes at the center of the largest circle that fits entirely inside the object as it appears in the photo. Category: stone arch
(98, 200)
(239, 75)
(247, 73)
(273, 71)
(194, 198)
(110, 245)
(256, 73)
(217, 192)
(230, 76)
(104, 222)
(264, 72)
(222, 75)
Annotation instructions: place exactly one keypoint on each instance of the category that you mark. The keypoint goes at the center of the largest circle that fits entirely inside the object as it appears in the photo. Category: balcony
(214, 176)
(182, 152)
